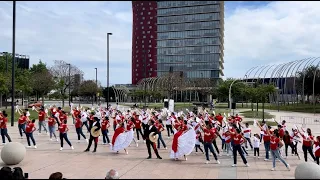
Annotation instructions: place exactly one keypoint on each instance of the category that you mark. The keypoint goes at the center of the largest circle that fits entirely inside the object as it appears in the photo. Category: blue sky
(256, 33)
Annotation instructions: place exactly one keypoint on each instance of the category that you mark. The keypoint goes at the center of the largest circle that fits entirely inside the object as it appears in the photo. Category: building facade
(144, 40)
(190, 38)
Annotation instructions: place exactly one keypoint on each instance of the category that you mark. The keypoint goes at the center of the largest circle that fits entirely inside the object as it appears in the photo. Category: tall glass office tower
(190, 38)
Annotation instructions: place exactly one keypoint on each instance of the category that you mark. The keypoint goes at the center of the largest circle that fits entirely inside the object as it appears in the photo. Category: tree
(171, 82)
(60, 73)
(88, 88)
(42, 80)
(3, 86)
(23, 82)
(237, 89)
(111, 93)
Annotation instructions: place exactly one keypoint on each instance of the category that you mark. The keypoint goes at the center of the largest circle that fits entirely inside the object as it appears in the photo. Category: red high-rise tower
(144, 40)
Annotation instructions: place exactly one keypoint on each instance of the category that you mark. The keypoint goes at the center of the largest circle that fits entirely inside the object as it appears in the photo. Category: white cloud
(71, 31)
(276, 33)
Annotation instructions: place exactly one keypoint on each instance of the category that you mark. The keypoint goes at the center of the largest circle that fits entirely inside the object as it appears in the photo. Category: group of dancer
(190, 131)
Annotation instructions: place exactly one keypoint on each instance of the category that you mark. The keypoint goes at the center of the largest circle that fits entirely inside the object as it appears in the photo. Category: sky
(256, 33)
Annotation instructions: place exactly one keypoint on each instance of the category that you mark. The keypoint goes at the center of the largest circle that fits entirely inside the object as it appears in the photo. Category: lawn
(255, 114)
(269, 123)
(33, 114)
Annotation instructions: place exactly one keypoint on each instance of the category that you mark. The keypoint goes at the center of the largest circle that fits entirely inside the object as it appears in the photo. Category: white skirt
(186, 144)
(123, 141)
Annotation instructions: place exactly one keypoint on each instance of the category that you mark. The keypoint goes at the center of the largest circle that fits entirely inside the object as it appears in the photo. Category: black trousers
(307, 149)
(256, 151)
(4, 134)
(149, 143)
(57, 120)
(214, 142)
(198, 146)
(65, 137)
(169, 129)
(317, 159)
(85, 124)
(90, 143)
(139, 131)
(237, 148)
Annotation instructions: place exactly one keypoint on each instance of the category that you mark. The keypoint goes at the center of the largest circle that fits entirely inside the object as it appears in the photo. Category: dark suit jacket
(147, 131)
(96, 125)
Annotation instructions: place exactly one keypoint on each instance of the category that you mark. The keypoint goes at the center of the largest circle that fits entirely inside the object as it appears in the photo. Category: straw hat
(153, 137)
(95, 133)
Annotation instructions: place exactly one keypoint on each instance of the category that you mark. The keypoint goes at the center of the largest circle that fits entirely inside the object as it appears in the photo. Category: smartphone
(26, 175)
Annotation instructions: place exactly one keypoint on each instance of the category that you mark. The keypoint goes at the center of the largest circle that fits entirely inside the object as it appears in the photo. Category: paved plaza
(47, 158)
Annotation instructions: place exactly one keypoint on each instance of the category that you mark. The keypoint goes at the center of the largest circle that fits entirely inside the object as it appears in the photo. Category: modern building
(144, 40)
(190, 38)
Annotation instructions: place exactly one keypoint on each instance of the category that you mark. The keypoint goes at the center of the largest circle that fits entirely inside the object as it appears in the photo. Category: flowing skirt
(123, 141)
(186, 144)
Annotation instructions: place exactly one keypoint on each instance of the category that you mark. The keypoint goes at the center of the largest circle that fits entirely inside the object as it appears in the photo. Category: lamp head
(109, 33)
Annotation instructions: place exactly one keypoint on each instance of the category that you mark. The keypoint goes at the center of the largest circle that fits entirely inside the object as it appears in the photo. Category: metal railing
(304, 121)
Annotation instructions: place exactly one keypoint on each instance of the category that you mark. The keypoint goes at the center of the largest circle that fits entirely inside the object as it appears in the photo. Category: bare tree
(204, 86)
(60, 73)
(171, 82)
(42, 83)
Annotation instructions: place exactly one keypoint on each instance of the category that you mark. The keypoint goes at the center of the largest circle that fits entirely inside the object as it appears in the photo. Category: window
(148, 22)
(142, 46)
(144, 37)
(150, 46)
(149, 13)
(151, 8)
(150, 27)
(141, 22)
(148, 32)
(143, 18)
(149, 41)
(149, 55)
(149, 3)
(151, 17)
(142, 41)
(141, 13)
(151, 36)
(142, 27)
(143, 32)
(143, 9)
(150, 60)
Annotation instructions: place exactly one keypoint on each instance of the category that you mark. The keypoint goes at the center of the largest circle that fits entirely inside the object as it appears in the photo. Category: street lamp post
(145, 78)
(230, 100)
(69, 84)
(96, 83)
(13, 61)
(108, 34)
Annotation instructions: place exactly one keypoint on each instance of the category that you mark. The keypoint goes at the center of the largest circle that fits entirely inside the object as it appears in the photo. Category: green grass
(269, 123)
(307, 108)
(33, 114)
(255, 114)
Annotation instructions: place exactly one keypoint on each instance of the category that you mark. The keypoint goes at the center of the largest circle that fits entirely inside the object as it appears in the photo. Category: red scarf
(116, 134)
(175, 141)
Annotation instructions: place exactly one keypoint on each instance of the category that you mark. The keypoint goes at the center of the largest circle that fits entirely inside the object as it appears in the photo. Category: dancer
(207, 142)
(307, 144)
(129, 127)
(266, 138)
(120, 139)
(199, 140)
(214, 137)
(287, 139)
(51, 125)
(137, 123)
(3, 127)
(96, 125)
(275, 145)
(169, 122)
(183, 142)
(29, 133)
(237, 148)
(63, 129)
(256, 145)
(317, 149)
(41, 123)
(78, 126)
(22, 124)
(243, 145)
(160, 128)
(104, 129)
(247, 135)
(150, 128)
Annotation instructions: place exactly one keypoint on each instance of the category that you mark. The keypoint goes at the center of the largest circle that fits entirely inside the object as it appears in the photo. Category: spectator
(112, 174)
(17, 173)
(6, 173)
(56, 175)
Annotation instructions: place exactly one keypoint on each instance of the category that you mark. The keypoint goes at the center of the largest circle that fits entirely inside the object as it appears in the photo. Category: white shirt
(28, 114)
(256, 142)
(168, 122)
(246, 132)
(84, 116)
(150, 127)
(94, 123)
